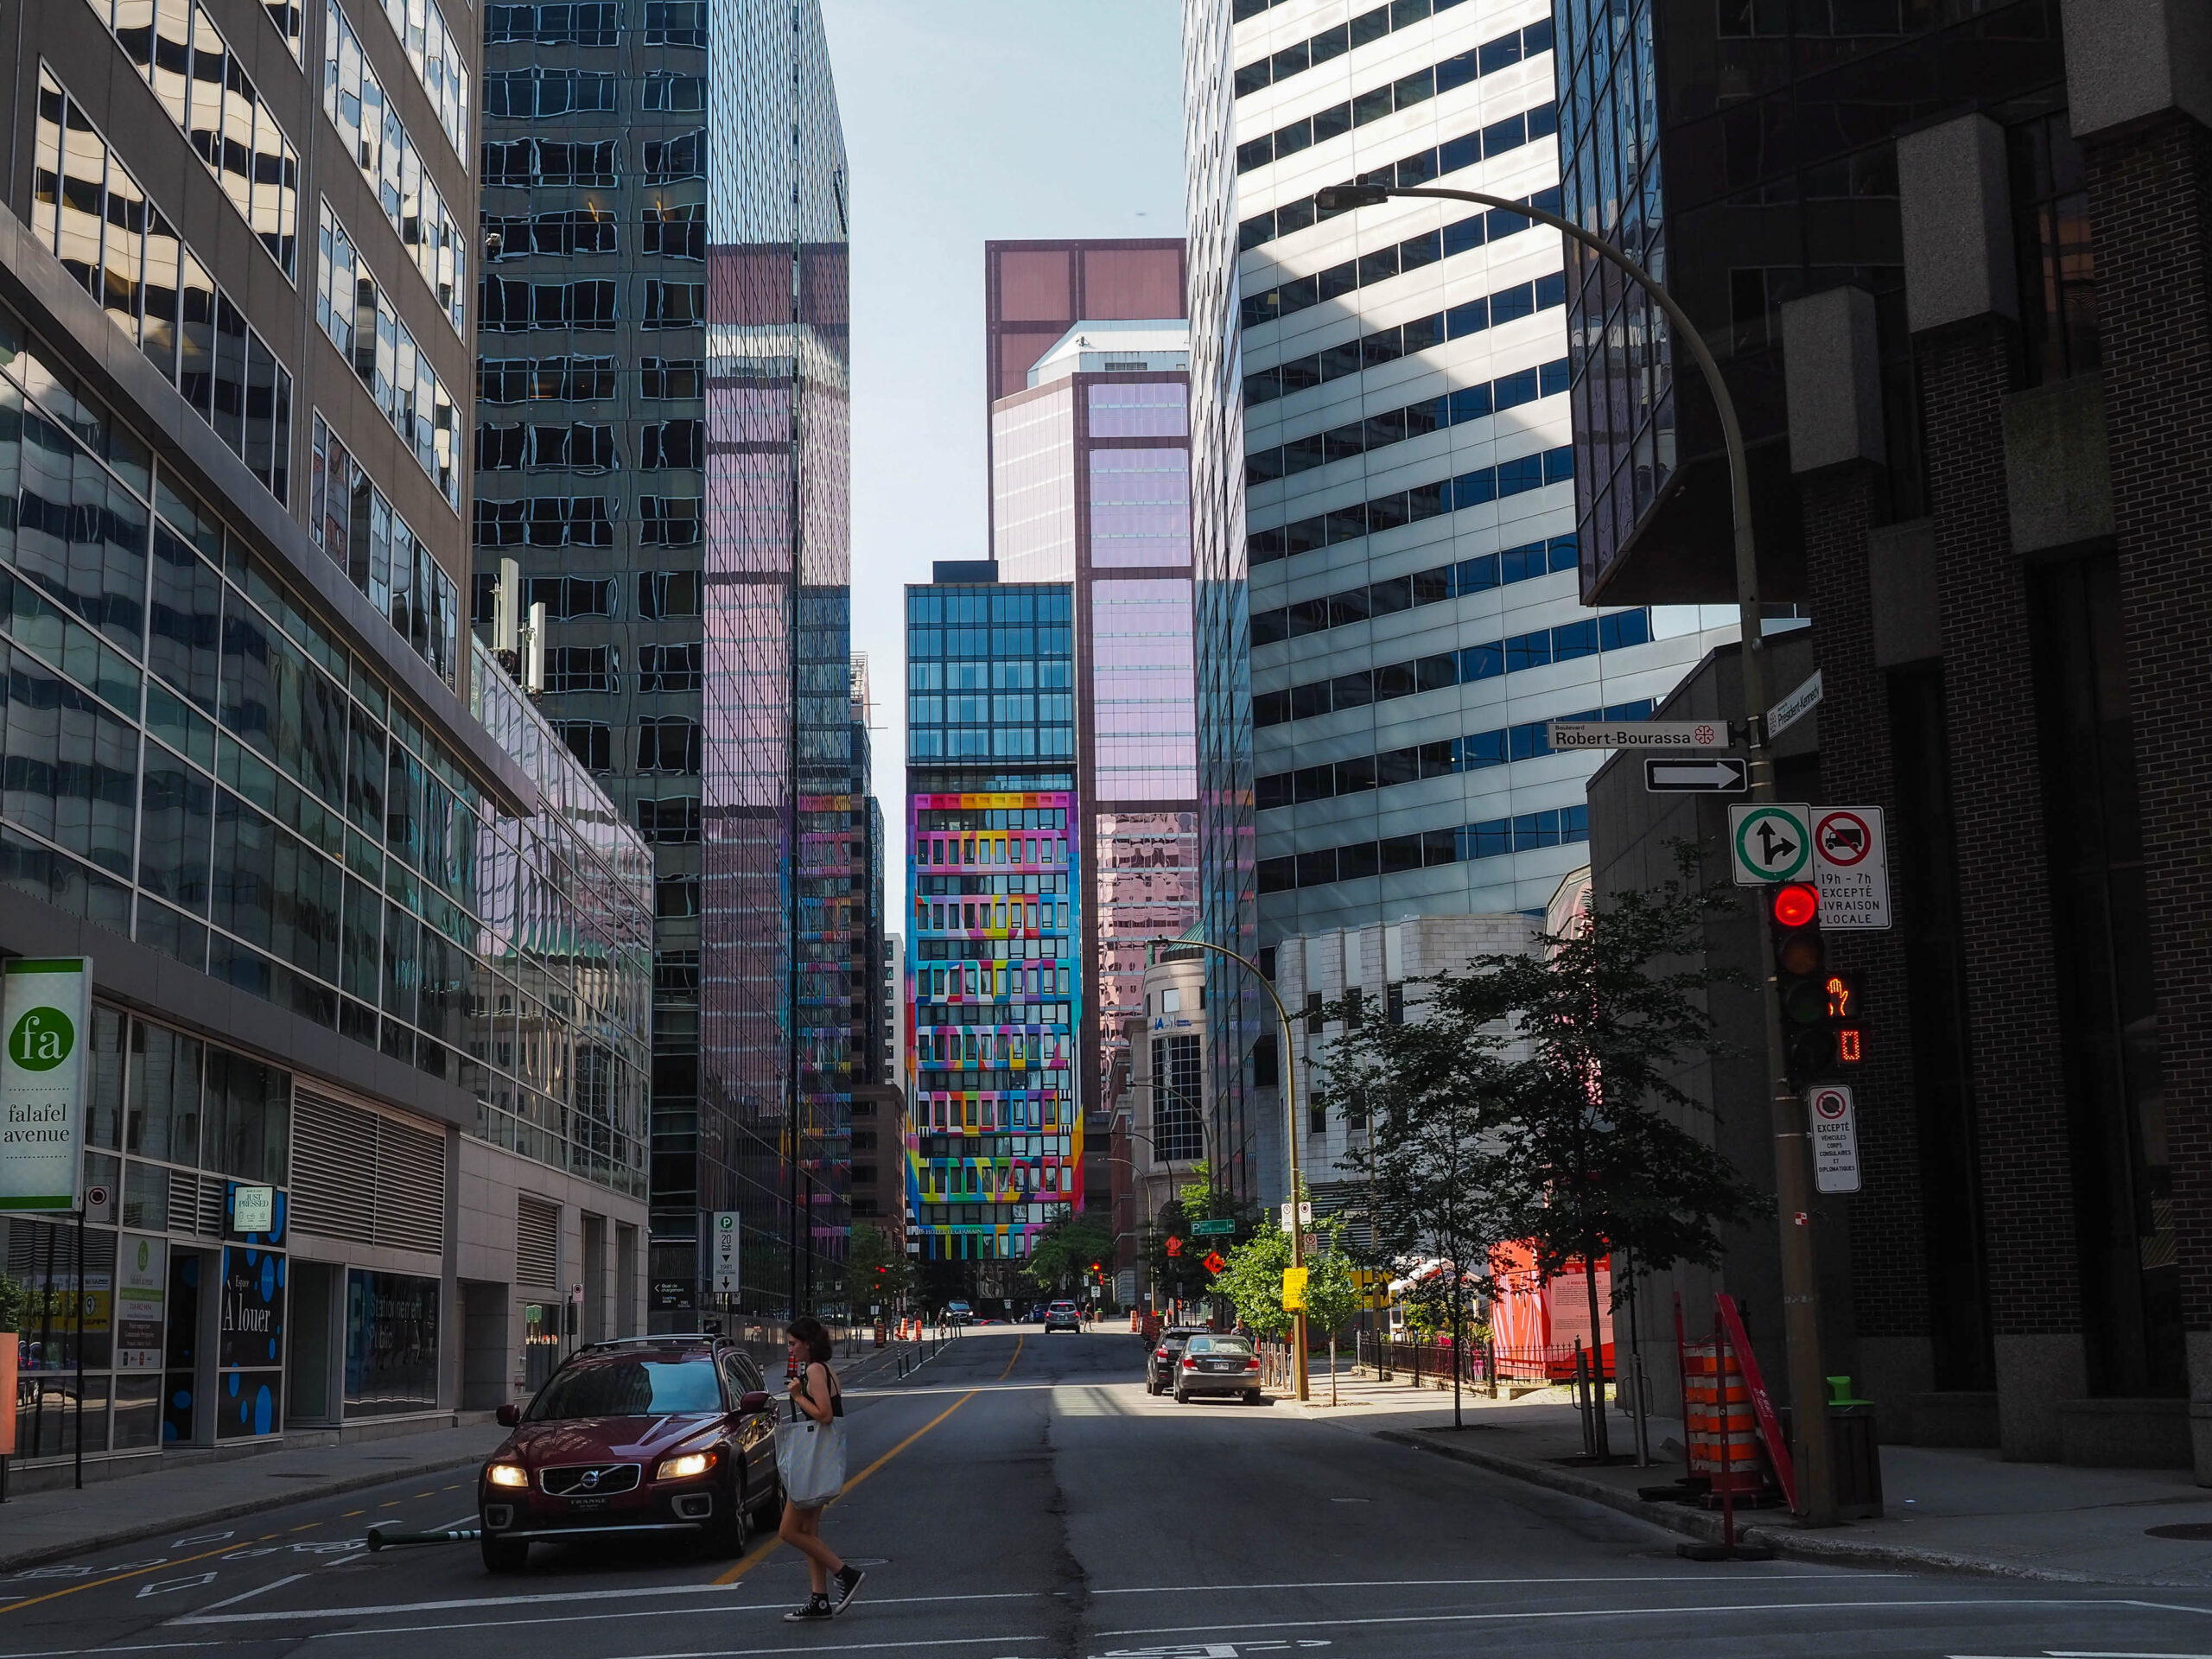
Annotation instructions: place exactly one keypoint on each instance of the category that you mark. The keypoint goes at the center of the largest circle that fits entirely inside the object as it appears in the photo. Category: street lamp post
(1290, 1137)
(1799, 1290)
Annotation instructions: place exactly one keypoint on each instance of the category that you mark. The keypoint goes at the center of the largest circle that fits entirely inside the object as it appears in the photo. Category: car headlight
(692, 1463)
(507, 1474)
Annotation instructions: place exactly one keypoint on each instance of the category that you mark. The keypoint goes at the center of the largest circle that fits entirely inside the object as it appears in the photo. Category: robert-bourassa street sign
(46, 1024)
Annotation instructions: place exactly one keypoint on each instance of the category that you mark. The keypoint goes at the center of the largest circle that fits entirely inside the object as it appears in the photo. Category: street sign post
(1851, 867)
(1679, 735)
(1835, 1125)
(1769, 842)
(1722, 775)
(1794, 707)
(727, 1258)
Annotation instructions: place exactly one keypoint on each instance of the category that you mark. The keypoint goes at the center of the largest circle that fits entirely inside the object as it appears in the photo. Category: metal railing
(1478, 1364)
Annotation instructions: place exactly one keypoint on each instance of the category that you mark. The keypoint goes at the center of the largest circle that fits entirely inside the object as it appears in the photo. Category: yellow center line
(1005, 1374)
(734, 1573)
(350, 1514)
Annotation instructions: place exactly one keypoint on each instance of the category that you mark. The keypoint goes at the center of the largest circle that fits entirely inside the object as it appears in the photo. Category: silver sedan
(1218, 1365)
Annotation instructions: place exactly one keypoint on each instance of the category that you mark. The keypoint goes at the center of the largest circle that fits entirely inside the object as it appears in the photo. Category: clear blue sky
(968, 121)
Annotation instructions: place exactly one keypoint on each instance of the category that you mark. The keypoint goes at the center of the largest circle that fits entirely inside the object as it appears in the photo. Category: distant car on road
(1212, 1365)
(1159, 1365)
(673, 1437)
(959, 1313)
(1063, 1316)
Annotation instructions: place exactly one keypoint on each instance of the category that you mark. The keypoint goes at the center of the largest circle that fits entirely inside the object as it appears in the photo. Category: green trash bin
(1854, 1451)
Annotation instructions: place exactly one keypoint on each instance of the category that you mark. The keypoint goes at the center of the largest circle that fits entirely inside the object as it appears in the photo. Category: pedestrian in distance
(810, 1458)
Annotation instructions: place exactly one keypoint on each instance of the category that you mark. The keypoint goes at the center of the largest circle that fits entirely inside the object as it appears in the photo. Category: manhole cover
(2193, 1531)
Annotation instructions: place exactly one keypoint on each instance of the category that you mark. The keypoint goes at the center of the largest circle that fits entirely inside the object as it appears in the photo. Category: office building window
(350, 519)
(676, 232)
(669, 743)
(581, 668)
(526, 94)
(667, 160)
(561, 233)
(668, 592)
(672, 443)
(674, 93)
(357, 314)
(592, 741)
(672, 377)
(591, 22)
(671, 668)
(669, 823)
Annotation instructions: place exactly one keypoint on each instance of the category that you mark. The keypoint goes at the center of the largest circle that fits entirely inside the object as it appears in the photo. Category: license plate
(1222, 1365)
(587, 1503)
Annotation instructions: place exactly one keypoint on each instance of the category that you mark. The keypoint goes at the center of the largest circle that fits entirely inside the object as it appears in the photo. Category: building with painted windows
(362, 930)
(645, 281)
(1382, 505)
(994, 895)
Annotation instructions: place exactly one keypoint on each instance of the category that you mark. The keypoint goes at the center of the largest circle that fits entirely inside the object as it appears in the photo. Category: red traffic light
(1094, 1267)
(1796, 904)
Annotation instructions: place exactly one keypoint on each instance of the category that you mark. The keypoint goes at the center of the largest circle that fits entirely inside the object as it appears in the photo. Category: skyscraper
(648, 285)
(361, 930)
(994, 893)
(1385, 518)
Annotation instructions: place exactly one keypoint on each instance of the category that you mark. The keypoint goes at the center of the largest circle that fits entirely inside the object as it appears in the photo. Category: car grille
(589, 1479)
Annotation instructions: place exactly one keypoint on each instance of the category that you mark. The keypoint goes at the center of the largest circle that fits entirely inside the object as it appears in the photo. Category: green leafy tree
(1332, 1294)
(1434, 1092)
(1064, 1251)
(1251, 1280)
(1598, 1151)
(14, 1304)
(877, 1272)
(1182, 1274)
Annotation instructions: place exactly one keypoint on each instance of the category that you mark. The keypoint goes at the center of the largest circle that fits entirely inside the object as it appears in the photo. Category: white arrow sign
(1719, 776)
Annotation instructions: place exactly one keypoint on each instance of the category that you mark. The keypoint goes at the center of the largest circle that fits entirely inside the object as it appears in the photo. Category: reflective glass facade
(783, 805)
(195, 760)
(1092, 485)
(994, 1000)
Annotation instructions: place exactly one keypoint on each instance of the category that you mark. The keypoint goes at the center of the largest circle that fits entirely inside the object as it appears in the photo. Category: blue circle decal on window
(269, 1279)
(264, 1410)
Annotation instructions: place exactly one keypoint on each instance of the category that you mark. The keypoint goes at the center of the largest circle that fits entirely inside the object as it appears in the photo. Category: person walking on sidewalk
(810, 1457)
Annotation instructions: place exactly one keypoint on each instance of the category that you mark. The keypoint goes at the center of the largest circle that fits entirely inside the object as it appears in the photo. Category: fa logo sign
(42, 1039)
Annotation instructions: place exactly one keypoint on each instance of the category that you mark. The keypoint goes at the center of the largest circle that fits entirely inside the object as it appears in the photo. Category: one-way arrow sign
(1720, 775)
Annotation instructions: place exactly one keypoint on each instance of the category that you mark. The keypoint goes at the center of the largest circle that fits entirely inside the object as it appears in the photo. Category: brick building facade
(1995, 434)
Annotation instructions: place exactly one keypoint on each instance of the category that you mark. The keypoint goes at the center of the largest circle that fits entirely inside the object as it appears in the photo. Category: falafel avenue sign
(45, 1018)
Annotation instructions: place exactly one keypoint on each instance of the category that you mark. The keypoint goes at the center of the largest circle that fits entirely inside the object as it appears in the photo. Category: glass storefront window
(391, 1343)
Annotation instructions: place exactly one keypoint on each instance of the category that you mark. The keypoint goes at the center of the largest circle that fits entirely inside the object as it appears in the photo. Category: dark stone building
(1958, 267)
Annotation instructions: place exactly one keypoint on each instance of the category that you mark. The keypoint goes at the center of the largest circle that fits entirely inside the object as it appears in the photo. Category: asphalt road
(1021, 1498)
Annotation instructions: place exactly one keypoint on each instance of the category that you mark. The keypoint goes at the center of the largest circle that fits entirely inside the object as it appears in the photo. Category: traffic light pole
(1800, 1305)
(1290, 1143)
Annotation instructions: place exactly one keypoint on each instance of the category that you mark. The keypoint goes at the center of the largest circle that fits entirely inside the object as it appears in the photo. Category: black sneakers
(816, 1607)
(848, 1585)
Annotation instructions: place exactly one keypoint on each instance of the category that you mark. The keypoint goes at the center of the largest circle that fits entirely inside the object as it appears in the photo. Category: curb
(1789, 1541)
(40, 1554)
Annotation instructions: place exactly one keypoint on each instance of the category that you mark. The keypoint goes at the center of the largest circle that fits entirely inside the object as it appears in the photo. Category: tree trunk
(1332, 1368)
(1457, 1421)
(1597, 1353)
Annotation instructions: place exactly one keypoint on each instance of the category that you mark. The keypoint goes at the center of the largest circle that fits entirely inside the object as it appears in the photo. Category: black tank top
(836, 1393)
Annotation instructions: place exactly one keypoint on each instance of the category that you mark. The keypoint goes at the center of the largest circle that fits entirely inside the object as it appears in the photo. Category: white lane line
(248, 1595)
(659, 1612)
(1838, 1575)
(1984, 1604)
(446, 1606)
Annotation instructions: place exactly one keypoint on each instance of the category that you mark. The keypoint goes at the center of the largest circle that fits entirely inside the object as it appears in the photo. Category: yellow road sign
(1294, 1288)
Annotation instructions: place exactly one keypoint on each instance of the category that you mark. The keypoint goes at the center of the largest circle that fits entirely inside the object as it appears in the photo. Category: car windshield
(1224, 1346)
(629, 1387)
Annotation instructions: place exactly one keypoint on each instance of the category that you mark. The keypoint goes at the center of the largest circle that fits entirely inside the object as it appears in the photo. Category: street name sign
(1722, 775)
(46, 1014)
(1834, 1124)
(1851, 867)
(1770, 843)
(1680, 735)
(1794, 707)
(727, 1260)
(1221, 1225)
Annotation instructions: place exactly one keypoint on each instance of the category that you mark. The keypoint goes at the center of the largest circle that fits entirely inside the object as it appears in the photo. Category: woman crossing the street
(810, 1458)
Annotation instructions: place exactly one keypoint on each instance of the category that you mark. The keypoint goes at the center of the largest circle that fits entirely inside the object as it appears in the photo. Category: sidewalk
(1947, 1509)
(36, 1527)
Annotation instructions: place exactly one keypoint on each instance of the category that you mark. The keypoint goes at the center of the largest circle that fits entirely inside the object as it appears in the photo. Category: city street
(1021, 1498)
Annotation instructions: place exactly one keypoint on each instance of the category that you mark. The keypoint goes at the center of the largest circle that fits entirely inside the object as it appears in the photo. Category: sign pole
(80, 1346)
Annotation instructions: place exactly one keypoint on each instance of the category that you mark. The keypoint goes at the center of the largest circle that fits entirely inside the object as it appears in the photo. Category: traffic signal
(1802, 978)
(1845, 1019)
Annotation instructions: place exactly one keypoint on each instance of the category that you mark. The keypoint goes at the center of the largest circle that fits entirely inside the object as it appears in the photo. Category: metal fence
(1481, 1363)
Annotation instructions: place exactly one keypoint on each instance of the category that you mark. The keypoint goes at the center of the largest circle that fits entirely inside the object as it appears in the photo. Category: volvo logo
(590, 1479)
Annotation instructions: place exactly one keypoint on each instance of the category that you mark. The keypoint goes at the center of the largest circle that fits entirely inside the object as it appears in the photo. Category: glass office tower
(995, 897)
(661, 445)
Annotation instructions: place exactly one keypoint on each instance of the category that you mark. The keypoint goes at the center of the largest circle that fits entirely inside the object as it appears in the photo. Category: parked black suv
(1159, 1365)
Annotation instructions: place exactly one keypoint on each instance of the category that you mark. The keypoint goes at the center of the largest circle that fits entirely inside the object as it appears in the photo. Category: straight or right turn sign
(1770, 843)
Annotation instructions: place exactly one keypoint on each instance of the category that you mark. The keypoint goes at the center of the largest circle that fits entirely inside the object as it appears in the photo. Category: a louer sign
(46, 1009)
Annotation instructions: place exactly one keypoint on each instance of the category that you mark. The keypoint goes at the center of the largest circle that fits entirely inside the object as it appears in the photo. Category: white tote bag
(810, 1458)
